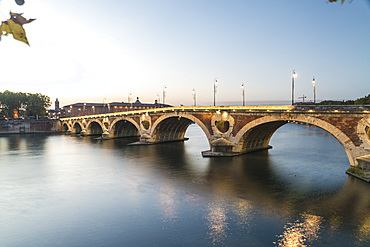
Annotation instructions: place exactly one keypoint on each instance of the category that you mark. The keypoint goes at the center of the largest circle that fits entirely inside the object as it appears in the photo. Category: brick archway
(256, 135)
(76, 128)
(129, 128)
(187, 119)
(90, 130)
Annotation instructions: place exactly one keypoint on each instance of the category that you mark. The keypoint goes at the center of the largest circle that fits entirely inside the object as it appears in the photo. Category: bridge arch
(76, 128)
(94, 128)
(124, 127)
(65, 127)
(363, 132)
(256, 135)
(172, 126)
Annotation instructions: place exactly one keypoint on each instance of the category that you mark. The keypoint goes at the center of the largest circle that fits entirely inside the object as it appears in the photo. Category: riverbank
(29, 126)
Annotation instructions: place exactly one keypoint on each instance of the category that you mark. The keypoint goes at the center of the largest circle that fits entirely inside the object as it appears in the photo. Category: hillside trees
(360, 101)
(363, 101)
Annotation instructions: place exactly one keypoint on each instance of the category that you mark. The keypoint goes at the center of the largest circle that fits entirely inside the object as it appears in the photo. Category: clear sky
(88, 50)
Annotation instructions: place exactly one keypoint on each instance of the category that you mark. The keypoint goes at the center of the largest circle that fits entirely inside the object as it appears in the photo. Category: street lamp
(164, 94)
(194, 97)
(158, 99)
(293, 81)
(243, 94)
(104, 99)
(314, 90)
(214, 91)
(129, 98)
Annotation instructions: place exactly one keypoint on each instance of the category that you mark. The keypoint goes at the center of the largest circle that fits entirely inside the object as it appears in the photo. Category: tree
(360, 101)
(34, 104)
(363, 101)
(37, 104)
(337, 102)
(11, 102)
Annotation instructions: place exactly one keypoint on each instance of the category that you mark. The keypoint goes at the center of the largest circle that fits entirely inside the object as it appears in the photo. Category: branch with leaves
(14, 26)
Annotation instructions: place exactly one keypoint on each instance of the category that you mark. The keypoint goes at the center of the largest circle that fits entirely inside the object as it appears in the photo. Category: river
(73, 191)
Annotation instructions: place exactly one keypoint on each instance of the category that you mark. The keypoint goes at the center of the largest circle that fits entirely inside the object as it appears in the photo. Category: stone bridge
(231, 130)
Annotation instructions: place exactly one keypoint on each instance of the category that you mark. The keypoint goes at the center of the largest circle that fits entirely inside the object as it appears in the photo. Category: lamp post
(104, 99)
(214, 91)
(129, 98)
(194, 97)
(243, 94)
(164, 94)
(314, 90)
(293, 81)
(158, 99)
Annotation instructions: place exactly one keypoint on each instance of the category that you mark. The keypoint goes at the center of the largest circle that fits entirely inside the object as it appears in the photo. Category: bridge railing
(344, 108)
(268, 108)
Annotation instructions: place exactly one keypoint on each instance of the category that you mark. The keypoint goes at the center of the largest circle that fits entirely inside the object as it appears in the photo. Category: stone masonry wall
(347, 125)
(29, 126)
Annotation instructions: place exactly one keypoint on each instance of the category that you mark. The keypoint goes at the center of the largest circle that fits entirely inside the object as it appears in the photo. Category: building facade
(84, 109)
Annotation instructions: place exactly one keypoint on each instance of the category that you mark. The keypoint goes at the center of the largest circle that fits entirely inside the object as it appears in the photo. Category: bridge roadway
(231, 130)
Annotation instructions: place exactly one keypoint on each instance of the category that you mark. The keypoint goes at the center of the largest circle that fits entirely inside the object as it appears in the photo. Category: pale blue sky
(87, 50)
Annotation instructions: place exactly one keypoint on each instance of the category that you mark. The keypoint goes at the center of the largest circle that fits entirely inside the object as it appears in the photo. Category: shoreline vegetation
(360, 101)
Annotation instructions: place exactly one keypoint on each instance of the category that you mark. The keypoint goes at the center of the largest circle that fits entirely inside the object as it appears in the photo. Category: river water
(72, 191)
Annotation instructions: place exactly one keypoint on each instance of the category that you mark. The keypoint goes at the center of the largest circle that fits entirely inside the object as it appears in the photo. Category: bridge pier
(83, 132)
(364, 162)
(362, 168)
(224, 148)
(105, 135)
(221, 148)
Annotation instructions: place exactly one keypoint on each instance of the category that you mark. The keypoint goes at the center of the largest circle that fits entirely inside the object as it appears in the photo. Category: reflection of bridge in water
(231, 130)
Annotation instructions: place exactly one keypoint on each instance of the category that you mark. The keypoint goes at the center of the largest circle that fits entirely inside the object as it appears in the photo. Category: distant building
(54, 114)
(57, 105)
(83, 109)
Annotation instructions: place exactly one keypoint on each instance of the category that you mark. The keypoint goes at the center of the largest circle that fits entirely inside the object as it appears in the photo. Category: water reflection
(363, 232)
(17, 144)
(168, 199)
(251, 178)
(217, 223)
(131, 195)
(301, 232)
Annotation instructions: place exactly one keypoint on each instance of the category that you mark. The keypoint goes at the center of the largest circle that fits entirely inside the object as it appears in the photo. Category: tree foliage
(37, 104)
(34, 104)
(360, 101)
(363, 101)
(337, 102)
